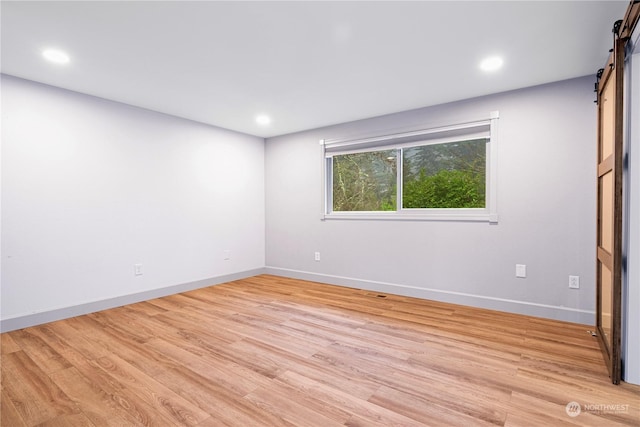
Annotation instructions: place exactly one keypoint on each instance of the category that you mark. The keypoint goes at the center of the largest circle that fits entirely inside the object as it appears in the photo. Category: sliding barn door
(609, 225)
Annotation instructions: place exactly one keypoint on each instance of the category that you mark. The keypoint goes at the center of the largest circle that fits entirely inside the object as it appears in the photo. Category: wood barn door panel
(606, 305)
(607, 115)
(606, 212)
(609, 211)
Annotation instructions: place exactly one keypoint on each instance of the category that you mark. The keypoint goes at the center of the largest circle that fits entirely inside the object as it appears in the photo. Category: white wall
(91, 187)
(546, 207)
(631, 248)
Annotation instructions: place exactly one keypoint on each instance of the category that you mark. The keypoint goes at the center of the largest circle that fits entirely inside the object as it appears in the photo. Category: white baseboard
(32, 319)
(566, 314)
(512, 306)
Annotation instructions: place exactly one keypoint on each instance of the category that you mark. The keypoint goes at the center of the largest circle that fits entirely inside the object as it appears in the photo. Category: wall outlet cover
(574, 282)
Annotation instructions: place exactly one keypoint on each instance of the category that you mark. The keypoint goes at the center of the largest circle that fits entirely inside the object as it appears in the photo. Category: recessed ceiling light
(263, 119)
(491, 64)
(55, 55)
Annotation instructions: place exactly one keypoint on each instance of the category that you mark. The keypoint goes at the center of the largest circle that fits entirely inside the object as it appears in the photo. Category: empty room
(320, 213)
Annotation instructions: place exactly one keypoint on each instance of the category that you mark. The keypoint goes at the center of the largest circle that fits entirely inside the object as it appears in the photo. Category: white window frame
(485, 129)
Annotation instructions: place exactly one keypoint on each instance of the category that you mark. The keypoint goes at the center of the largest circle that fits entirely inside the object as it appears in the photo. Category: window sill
(412, 216)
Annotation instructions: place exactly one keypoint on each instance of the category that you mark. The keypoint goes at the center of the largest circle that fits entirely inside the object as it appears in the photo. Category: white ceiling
(305, 64)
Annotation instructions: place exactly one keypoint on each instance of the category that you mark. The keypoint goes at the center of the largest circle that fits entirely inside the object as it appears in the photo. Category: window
(442, 173)
(450, 175)
(365, 181)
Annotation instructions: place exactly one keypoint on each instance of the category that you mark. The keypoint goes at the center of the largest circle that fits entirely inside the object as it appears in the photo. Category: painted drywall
(91, 187)
(546, 202)
(631, 248)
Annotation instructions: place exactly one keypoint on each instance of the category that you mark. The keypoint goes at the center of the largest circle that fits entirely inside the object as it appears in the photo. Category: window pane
(448, 175)
(365, 181)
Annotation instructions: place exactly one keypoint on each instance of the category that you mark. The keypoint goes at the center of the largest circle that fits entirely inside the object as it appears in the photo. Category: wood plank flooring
(271, 351)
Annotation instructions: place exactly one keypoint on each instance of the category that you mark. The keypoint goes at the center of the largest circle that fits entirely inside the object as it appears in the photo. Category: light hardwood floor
(270, 351)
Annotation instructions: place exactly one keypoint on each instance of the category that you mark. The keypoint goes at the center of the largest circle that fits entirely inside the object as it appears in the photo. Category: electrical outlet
(226, 254)
(521, 271)
(137, 269)
(317, 256)
(574, 282)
